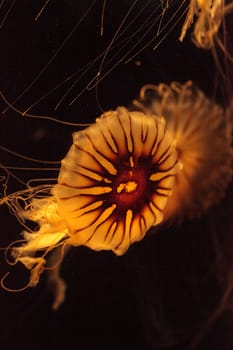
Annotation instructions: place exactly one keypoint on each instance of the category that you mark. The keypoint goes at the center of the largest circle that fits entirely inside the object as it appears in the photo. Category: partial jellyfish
(208, 16)
(195, 122)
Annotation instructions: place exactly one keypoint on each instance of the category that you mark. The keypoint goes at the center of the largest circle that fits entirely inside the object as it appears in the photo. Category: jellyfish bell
(115, 180)
(113, 186)
(202, 130)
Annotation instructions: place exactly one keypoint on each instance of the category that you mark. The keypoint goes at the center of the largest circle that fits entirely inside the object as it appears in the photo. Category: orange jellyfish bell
(113, 186)
(115, 181)
(203, 134)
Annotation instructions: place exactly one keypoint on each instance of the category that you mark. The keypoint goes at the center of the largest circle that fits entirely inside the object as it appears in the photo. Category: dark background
(164, 293)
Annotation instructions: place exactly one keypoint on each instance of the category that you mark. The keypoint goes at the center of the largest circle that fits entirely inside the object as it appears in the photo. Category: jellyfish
(113, 186)
(202, 130)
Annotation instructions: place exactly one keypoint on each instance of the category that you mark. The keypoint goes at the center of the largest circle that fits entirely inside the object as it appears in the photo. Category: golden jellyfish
(202, 131)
